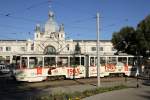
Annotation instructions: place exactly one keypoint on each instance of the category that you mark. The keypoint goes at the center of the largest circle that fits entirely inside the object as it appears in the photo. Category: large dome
(51, 25)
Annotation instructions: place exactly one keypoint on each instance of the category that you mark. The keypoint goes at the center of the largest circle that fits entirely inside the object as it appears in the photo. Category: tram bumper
(31, 79)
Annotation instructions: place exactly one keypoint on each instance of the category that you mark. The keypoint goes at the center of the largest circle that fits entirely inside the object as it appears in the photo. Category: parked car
(5, 71)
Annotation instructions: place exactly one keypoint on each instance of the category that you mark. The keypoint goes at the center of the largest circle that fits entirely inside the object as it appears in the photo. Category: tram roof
(110, 55)
(70, 55)
(53, 55)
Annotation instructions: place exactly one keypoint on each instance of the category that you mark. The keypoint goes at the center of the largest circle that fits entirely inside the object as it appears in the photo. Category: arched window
(49, 50)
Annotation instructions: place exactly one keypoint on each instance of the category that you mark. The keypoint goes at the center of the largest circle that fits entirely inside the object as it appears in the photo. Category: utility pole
(98, 67)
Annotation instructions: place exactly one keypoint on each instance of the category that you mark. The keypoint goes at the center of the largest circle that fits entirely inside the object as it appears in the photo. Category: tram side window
(74, 61)
(40, 62)
(92, 61)
(130, 61)
(82, 61)
(102, 61)
(32, 62)
(24, 62)
(77, 61)
(49, 61)
(71, 61)
(17, 62)
(63, 61)
(122, 60)
(112, 60)
(35, 62)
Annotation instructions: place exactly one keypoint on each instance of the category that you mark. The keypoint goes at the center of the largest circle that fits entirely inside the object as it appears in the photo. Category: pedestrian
(137, 85)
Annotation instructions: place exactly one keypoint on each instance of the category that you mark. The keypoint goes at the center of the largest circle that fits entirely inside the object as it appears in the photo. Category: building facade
(51, 40)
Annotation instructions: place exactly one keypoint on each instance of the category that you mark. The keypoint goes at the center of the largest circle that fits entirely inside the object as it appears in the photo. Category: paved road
(12, 91)
(142, 93)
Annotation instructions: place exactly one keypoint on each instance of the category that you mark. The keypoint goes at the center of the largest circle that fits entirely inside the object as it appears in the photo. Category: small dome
(37, 28)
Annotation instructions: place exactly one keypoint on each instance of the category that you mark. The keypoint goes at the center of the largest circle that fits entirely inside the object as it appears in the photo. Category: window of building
(8, 48)
(1, 48)
(101, 49)
(68, 47)
(22, 48)
(93, 48)
(32, 46)
(2, 60)
(7, 57)
(50, 50)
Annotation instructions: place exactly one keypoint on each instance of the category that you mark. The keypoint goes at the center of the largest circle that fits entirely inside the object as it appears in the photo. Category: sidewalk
(142, 93)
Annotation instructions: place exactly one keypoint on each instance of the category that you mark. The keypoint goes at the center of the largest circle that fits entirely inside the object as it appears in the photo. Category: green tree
(124, 40)
(77, 48)
(131, 41)
(143, 36)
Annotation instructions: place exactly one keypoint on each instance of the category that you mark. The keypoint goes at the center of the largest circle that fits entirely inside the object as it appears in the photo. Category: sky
(18, 18)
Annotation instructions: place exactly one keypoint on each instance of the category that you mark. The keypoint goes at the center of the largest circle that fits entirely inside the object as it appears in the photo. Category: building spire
(50, 14)
(49, 4)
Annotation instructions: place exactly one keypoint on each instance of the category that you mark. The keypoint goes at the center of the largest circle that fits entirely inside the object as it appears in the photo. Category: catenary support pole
(98, 67)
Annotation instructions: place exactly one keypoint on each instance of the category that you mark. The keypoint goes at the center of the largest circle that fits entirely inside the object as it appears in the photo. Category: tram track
(25, 86)
(56, 83)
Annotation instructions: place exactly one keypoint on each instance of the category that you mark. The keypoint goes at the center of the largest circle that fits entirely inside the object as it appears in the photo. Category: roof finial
(50, 14)
(50, 4)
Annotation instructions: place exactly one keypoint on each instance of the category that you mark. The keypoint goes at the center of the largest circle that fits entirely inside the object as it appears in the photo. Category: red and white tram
(33, 68)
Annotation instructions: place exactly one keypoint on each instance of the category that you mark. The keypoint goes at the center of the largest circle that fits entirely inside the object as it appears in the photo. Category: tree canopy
(135, 41)
(77, 48)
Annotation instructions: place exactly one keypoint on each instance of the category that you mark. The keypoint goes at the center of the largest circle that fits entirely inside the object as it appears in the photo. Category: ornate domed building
(49, 41)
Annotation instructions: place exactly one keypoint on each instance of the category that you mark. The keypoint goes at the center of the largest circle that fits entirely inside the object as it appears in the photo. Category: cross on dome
(51, 14)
